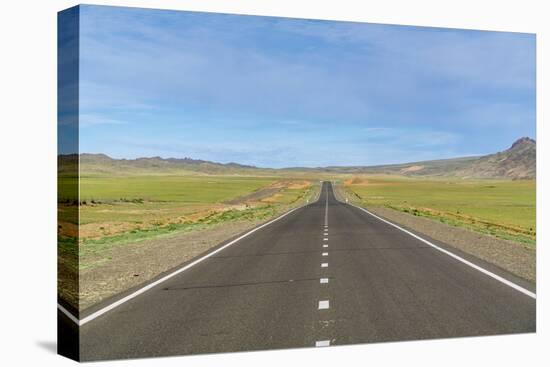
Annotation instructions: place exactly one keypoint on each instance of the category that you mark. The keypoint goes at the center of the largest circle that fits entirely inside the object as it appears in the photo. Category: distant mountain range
(103, 164)
(517, 162)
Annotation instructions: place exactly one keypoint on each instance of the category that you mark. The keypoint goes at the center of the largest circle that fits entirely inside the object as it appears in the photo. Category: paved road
(270, 290)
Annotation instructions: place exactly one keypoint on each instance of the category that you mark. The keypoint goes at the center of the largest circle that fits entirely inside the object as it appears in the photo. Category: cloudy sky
(277, 92)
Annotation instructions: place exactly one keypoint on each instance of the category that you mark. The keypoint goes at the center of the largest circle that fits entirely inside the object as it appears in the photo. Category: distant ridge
(103, 164)
(516, 162)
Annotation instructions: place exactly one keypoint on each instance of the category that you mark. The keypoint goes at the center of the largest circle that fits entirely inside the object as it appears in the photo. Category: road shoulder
(515, 258)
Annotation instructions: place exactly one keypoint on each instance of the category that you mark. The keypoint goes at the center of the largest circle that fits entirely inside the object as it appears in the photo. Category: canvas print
(233, 183)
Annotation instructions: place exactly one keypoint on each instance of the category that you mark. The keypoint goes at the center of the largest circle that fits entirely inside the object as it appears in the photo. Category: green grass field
(505, 209)
(127, 207)
(202, 189)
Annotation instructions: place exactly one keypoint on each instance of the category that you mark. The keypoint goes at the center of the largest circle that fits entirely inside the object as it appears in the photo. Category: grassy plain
(128, 208)
(505, 209)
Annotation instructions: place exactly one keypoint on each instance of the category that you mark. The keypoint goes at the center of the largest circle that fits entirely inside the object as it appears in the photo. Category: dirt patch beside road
(270, 193)
(255, 196)
(516, 258)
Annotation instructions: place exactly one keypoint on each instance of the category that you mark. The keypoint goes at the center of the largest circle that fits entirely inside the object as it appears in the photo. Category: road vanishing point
(325, 274)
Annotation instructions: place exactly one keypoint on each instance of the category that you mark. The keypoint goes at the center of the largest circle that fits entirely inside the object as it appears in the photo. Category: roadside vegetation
(122, 210)
(501, 208)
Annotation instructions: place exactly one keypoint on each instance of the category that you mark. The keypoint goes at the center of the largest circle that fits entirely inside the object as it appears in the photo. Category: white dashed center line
(326, 210)
(322, 343)
(324, 304)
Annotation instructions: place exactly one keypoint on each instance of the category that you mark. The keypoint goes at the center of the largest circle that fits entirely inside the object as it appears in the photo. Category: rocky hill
(517, 162)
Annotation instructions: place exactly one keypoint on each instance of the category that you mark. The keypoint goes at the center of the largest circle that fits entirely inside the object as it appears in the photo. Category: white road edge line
(163, 279)
(68, 314)
(322, 343)
(456, 257)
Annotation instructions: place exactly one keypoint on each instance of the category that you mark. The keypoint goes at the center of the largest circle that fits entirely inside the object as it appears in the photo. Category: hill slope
(517, 162)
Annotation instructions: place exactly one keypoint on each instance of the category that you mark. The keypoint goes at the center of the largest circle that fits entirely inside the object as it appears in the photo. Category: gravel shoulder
(516, 258)
(133, 264)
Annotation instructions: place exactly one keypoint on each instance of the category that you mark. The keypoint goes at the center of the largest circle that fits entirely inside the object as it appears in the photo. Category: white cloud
(87, 120)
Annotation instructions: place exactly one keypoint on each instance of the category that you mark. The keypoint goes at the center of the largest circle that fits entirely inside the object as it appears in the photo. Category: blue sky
(277, 92)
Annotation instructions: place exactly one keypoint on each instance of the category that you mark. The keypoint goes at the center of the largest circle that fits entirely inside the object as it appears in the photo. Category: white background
(28, 181)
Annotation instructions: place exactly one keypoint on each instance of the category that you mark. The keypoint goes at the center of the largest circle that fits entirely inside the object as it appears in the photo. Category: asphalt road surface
(326, 274)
